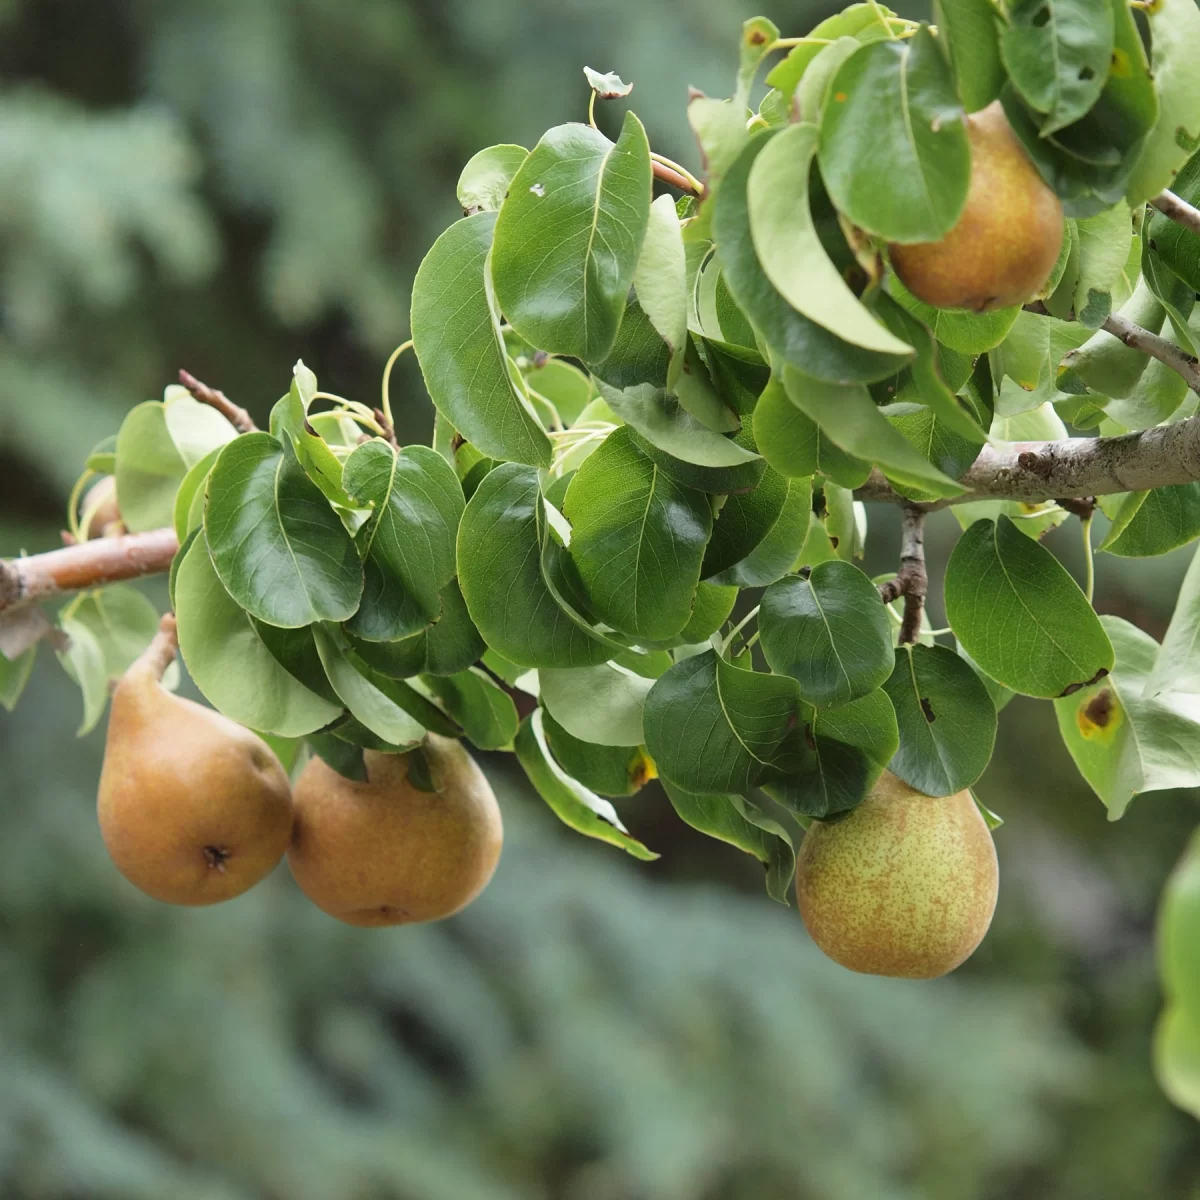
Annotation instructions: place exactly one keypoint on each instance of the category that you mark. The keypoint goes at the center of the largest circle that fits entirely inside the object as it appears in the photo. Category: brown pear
(385, 852)
(193, 807)
(1008, 238)
(904, 886)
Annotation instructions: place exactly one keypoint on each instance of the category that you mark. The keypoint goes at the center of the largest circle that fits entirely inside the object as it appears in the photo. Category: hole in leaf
(1042, 16)
(927, 709)
(1086, 73)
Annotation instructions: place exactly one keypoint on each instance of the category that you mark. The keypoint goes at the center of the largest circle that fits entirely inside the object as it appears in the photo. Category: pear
(1007, 240)
(385, 852)
(193, 807)
(905, 885)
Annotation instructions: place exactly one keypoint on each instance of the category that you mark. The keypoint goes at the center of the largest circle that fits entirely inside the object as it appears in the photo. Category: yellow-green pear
(1006, 242)
(904, 886)
(193, 807)
(385, 852)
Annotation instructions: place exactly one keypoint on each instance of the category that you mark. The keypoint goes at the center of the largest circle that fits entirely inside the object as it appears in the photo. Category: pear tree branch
(911, 581)
(1167, 353)
(1179, 210)
(239, 418)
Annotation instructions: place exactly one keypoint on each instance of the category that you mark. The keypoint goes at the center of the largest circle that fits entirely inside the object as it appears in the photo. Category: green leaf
(569, 235)
(661, 275)
(790, 252)
(484, 710)
(776, 553)
(793, 444)
(745, 519)
(83, 661)
(956, 329)
(189, 499)
(366, 702)
(103, 456)
(1103, 250)
(295, 650)
(847, 415)
(736, 820)
(1177, 1058)
(1174, 33)
(408, 546)
(485, 179)
(714, 727)
(857, 20)
(1104, 363)
(196, 429)
(449, 645)
(601, 704)
(969, 29)
(557, 382)
(457, 338)
(1155, 522)
(280, 550)
(501, 579)
(609, 770)
(1057, 53)
(894, 152)
(573, 804)
(1021, 617)
(608, 86)
(229, 662)
(829, 632)
(868, 723)
(1177, 247)
(122, 621)
(790, 334)
(148, 468)
(14, 675)
(1178, 932)
(1129, 733)
(638, 539)
(946, 719)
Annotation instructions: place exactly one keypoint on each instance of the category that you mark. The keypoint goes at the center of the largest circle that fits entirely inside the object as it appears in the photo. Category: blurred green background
(228, 185)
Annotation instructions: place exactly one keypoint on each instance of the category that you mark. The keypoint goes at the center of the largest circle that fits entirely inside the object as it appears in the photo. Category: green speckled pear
(904, 886)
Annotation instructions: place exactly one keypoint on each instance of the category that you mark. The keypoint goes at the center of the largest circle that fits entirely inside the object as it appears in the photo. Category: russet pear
(383, 851)
(1006, 242)
(904, 886)
(193, 807)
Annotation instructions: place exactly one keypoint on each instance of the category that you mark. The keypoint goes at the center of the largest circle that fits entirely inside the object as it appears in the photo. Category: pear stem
(239, 418)
(160, 654)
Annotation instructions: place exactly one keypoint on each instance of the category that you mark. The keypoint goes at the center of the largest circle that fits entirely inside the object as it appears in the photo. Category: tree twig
(1037, 471)
(1178, 209)
(1167, 353)
(239, 418)
(87, 565)
(667, 175)
(911, 580)
(389, 430)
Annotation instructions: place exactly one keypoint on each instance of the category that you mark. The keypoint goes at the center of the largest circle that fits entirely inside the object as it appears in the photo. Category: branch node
(912, 570)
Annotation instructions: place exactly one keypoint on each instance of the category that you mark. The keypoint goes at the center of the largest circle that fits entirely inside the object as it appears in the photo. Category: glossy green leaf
(575, 805)
(661, 275)
(744, 520)
(1021, 617)
(229, 662)
(609, 770)
(377, 711)
(830, 632)
(847, 415)
(408, 545)
(790, 252)
(638, 539)
(501, 579)
(713, 727)
(148, 468)
(1155, 522)
(569, 235)
(793, 444)
(484, 710)
(958, 330)
(946, 719)
(1057, 53)
(1131, 733)
(970, 29)
(777, 551)
(741, 823)
(601, 704)
(790, 334)
(485, 180)
(894, 152)
(449, 645)
(1174, 32)
(189, 499)
(869, 723)
(295, 650)
(862, 21)
(457, 338)
(280, 550)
